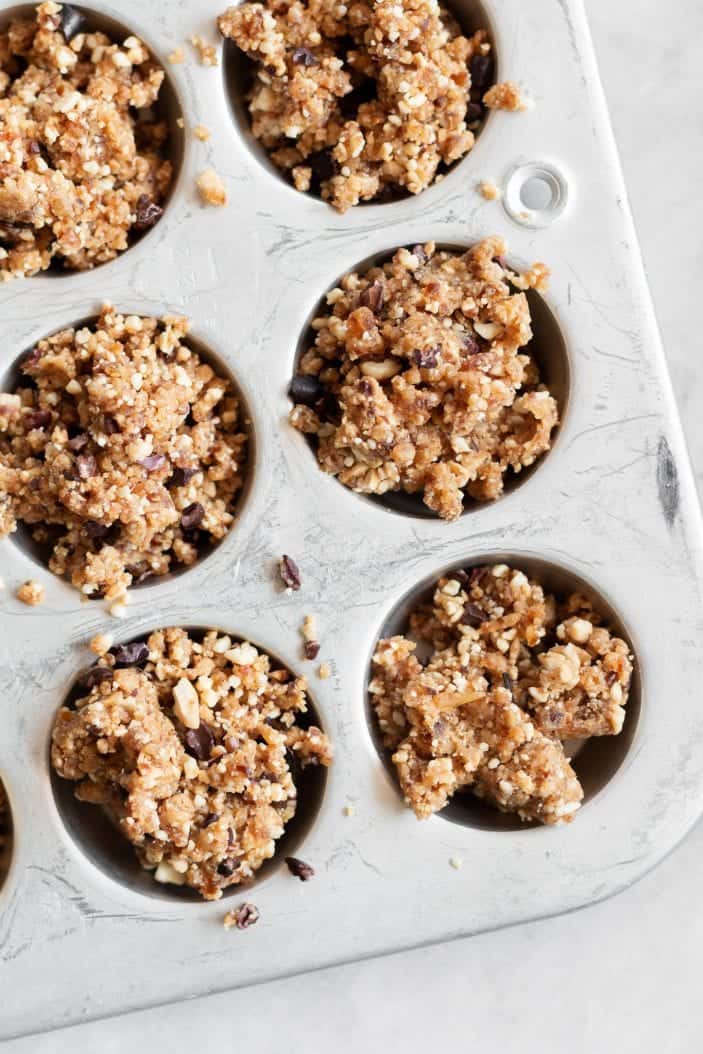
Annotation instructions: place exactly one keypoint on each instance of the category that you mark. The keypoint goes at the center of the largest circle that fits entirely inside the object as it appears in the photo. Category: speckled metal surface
(614, 503)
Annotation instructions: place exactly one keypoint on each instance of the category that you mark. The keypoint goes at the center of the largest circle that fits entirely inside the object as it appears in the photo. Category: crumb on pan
(121, 452)
(177, 56)
(361, 103)
(324, 671)
(211, 188)
(31, 593)
(242, 917)
(201, 132)
(83, 163)
(207, 53)
(505, 96)
(489, 190)
(420, 378)
(191, 747)
(512, 673)
(289, 573)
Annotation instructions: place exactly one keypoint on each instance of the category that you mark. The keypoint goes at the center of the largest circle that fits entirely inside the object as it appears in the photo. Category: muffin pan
(612, 506)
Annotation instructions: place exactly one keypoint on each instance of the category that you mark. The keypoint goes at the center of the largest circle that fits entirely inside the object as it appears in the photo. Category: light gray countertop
(623, 975)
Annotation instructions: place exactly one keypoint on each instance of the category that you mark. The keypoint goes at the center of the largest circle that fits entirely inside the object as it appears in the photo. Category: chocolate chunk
(72, 21)
(305, 390)
(192, 516)
(182, 474)
(110, 425)
(199, 742)
(153, 462)
(426, 358)
(34, 148)
(323, 167)
(474, 112)
(87, 466)
(304, 57)
(481, 69)
(299, 868)
(38, 418)
(473, 615)
(327, 408)
(78, 442)
(312, 649)
(372, 297)
(210, 818)
(134, 654)
(228, 866)
(288, 570)
(96, 530)
(555, 716)
(95, 676)
(507, 683)
(147, 213)
(247, 915)
(471, 344)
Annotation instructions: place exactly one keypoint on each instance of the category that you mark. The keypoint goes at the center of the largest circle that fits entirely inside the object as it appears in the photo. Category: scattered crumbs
(504, 96)
(211, 188)
(31, 593)
(349, 810)
(289, 572)
(118, 608)
(101, 643)
(242, 917)
(300, 869)
(201, 132)
(325, 671)
(177, 56)
(207, 53)
(456, 863)
(489, 190)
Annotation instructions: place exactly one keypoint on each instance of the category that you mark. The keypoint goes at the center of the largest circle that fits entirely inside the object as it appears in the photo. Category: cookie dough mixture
(512, 673)
(417, 380)
(362, 101)
(82, 162)
(192, 748)
(121, 450)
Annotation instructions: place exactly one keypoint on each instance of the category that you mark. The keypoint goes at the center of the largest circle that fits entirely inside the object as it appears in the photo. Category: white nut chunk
(186, 704)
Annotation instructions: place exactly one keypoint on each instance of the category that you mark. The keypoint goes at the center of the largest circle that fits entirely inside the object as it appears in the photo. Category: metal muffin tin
(613, 504)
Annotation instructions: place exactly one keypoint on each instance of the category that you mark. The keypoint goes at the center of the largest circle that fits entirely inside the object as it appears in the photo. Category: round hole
(595, 760)
(94, 834)
(167, 108)
(5, 835)
(547, 349)
(536, 194)
(40, 552)
(239, 74)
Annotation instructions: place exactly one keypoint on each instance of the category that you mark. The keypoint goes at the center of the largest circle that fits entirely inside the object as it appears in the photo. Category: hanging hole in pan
(240, 72)
(37, 541)
(547, 349)
(100, 842)
(76, 19)
(536, 194)
(595, 761)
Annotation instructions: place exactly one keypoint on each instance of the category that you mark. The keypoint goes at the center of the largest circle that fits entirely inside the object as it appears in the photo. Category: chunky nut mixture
(512, 673)
(31, 593)
(192, 749)
(366, 100)
(82, 162)
(121, 450)
(417, 382)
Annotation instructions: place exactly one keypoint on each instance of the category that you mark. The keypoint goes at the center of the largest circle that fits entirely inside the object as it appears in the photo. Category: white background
(623, 976)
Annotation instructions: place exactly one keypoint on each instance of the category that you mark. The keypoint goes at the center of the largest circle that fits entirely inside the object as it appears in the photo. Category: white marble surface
(622, 976)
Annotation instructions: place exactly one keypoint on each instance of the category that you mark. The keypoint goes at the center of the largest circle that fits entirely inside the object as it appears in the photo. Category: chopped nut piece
(504, 96)
(242, 917)
(101, 643)
(489, 709)
(31, 593)
(325, 671)
(201, 132)
(211, 188)
(489, 190)
(202, 806)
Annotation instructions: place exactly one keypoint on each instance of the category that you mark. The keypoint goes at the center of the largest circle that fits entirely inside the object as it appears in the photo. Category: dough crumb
(207, 53)
(211, 188)
(504, 96)
(202, 133)
(489, 190)
(325, 671)
(31, 593)
(101, 643)
(177, 56)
